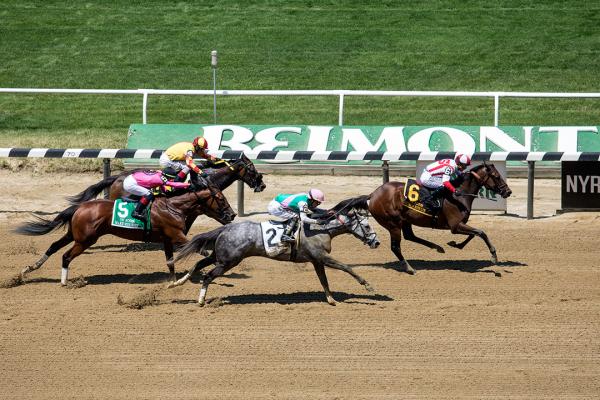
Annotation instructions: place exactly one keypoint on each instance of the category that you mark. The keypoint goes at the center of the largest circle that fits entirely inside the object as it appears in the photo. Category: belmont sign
(396, 139)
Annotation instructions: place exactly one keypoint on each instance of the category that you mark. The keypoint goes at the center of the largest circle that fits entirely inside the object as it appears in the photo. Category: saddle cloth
(121, 216)
(271, 234)
(413, 194)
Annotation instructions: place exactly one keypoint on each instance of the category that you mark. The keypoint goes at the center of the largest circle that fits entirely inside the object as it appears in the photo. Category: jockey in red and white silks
(441, 172)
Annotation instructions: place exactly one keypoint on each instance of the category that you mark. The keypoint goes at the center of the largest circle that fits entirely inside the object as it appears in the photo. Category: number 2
(272, 233)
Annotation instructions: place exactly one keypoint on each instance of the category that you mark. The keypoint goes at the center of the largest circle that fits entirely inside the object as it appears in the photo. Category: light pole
(213, 63)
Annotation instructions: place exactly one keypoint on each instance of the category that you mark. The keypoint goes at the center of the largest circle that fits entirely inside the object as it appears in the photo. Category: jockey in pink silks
(141, 182)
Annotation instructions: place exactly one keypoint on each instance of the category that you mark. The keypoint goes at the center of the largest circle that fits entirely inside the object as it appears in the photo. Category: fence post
(530, 180)
(386, 171)
(106, 174)
(240, 198)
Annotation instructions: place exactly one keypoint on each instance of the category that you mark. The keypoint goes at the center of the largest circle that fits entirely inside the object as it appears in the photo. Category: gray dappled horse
(232, 243)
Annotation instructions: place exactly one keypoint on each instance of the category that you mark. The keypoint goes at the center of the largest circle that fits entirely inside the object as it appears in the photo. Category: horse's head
(488, 176)
(249, 175)
(357, 222)
(215, 205)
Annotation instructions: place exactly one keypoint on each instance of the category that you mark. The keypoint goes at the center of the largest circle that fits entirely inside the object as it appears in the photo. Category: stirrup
(139, 216)
(286, 238)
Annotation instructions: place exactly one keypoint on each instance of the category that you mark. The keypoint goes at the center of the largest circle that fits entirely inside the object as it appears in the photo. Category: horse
(92, 219)
(231, 244)
(387, 205)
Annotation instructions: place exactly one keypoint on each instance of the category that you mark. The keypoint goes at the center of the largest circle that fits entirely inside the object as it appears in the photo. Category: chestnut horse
(387, 205)
(90, 220)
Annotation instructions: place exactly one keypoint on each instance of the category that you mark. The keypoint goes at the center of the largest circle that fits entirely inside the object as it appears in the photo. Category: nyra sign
(580, 185)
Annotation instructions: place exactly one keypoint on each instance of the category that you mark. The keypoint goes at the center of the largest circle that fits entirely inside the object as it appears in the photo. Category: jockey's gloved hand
(458, 193)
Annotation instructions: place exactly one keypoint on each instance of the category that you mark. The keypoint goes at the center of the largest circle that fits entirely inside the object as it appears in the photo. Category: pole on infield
(213, 64)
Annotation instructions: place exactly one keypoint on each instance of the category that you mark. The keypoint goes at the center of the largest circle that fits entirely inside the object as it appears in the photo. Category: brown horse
(387, 205)
(90, 220)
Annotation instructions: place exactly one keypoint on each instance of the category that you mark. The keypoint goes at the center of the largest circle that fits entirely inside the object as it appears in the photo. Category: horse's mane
(360, 202)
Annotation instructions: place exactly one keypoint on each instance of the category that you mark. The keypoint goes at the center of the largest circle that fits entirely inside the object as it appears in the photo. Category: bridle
(244, 170)
(214, 198)
(498, 187)
(356, 219)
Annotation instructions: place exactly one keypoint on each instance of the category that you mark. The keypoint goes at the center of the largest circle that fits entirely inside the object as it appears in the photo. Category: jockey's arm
(446, 181)
(177, 185)
(304, 211)
(189, 161)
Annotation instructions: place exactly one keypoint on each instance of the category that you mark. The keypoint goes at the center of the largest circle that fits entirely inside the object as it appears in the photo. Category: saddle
(417, 197)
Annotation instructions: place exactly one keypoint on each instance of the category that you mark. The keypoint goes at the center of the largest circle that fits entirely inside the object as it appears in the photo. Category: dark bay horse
(90, 220)
(235, 242)
(386, 204)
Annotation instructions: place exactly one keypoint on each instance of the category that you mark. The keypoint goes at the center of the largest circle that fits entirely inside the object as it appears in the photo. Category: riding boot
(180, 176)
(432, 201)
(288, 232)
(140, 208)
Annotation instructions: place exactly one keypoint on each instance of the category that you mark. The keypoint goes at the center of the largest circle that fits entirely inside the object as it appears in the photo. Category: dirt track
(459, 328)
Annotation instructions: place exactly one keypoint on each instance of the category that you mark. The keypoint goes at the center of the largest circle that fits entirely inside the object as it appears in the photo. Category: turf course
(371, 45)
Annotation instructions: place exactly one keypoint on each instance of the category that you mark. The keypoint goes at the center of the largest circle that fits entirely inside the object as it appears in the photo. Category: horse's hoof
(171, 285)
(440, 250)
(405, 267)
(494, 260)
(452, 244)
(369, 288)
(332, 302)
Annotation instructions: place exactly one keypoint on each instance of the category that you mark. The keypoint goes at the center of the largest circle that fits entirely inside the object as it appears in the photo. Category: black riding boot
(140, 208)
(288, 233)
(432, 202)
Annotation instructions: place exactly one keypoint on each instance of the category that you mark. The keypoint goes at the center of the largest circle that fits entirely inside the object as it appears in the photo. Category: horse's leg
(410, 235)
(168, 249)
(73, 252)
(320, 270)
(189, 221)
(217, 271)
(462, 244)
(205, 262)
(396, 237)
(54, 247)
(335, 264)
(464, 229)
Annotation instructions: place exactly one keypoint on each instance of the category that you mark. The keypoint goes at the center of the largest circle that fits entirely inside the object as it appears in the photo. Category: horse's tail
(93, 191)
(198, 242)
(43, 226)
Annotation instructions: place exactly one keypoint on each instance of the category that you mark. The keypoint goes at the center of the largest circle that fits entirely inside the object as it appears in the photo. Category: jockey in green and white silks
(296, 206)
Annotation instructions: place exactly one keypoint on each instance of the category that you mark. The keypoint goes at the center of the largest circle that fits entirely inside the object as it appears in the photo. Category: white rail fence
(341, 94)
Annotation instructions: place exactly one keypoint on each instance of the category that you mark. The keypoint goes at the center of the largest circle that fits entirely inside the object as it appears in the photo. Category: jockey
(141, 182)
(294, 207)
(438, 174)
(178, 159)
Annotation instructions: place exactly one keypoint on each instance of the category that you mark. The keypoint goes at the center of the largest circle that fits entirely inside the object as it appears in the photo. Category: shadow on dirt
(469, 266)
(298, 298)
(139, 279)
(121, 248)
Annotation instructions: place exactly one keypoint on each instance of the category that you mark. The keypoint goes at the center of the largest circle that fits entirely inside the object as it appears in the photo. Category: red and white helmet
(462, 159)
(316, 195)
(200, 143)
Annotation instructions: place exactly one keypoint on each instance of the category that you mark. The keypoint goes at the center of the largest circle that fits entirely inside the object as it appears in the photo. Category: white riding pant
(431, 181)
(130, 185)
(166, 162)
(275, 208)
